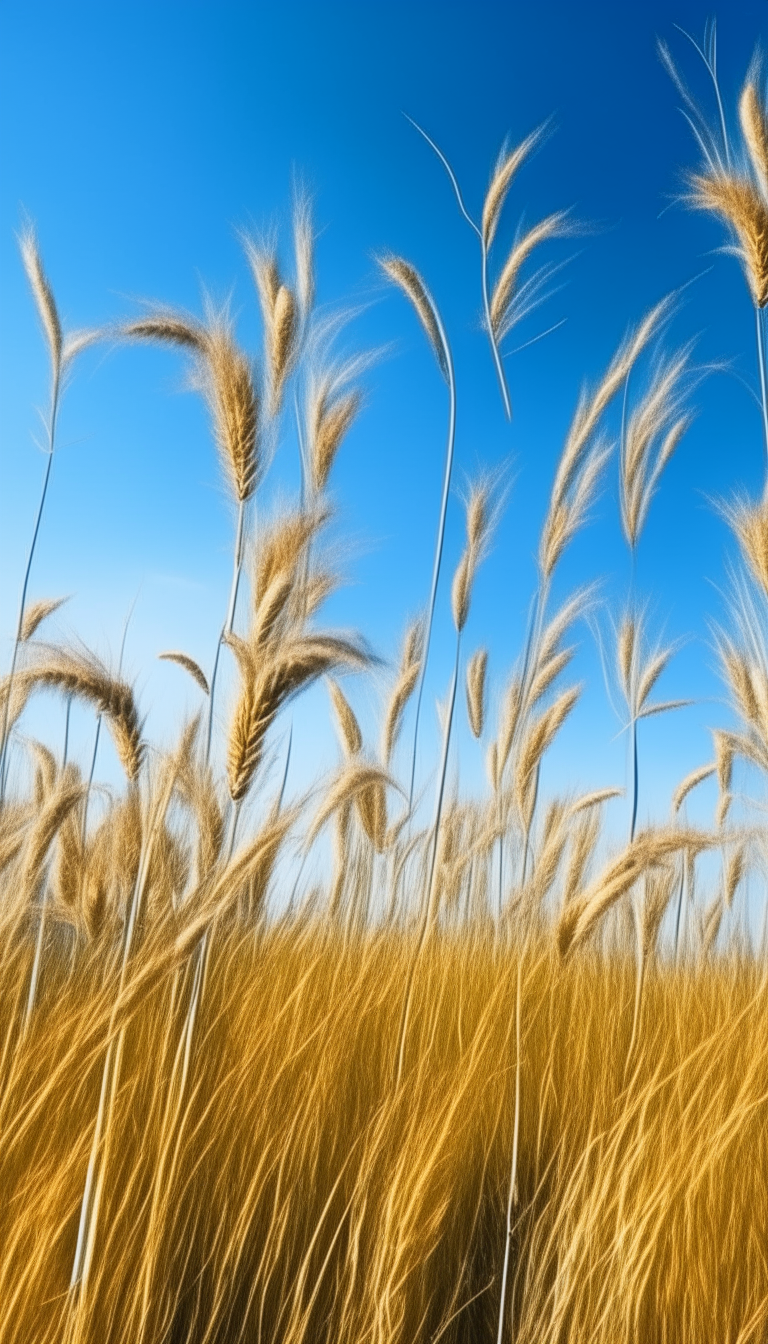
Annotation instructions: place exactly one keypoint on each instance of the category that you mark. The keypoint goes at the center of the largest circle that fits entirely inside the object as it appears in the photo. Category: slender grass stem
(429, 911)
(65, 749)
(512, 1197)
(759, 322)
(484, 265)
(237, 569)
(449, 452)
(98, 1157)
(4, 735)
(491, 337)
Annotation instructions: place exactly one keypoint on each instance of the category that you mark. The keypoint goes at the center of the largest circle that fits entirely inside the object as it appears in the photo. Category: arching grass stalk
(408, 279)
(226, 629)
(62, 351)
(25, 584)
(500, 374)
(479, 524)
(429, 912)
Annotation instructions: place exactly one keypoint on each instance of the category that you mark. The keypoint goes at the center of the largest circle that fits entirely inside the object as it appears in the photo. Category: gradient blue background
(141, 137)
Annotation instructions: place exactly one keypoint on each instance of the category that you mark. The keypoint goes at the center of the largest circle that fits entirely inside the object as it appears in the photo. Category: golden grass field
(477, 1073)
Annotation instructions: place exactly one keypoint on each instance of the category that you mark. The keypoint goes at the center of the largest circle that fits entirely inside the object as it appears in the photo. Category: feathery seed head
(38, 612)
(626, 654)
(230, 389)
(753, 117)
(283, 348)
(169, 328)
(304, 248)
(503, 315)
(332, 422)
(189, 665)
(346, 722)
(744, 209)
(407, 278)
(43, 296)
(82, 675)
(690, 782)
(506, 167)
(750, 524)
(476, 674)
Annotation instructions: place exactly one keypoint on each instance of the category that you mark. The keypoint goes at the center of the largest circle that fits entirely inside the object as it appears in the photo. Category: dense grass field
(388, 1062)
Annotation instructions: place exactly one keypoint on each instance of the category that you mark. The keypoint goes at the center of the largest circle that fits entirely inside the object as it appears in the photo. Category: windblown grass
(480, 1078)
(307, 1199)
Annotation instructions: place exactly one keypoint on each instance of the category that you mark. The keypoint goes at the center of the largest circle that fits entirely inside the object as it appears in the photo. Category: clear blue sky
(140, 138)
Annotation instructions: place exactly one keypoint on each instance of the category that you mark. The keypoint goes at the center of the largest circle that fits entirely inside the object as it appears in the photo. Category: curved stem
(484, 252)
(635, 781)
(429, 904)
(449, 171)
(450, 444)
(55, 393)
(237, 569)
(761, 365)
(491, 337)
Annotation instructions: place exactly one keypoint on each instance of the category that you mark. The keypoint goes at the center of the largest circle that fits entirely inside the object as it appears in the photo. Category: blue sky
(142, 138)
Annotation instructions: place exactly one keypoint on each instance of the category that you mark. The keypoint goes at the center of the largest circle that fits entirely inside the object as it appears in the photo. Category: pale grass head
(740, 204)
(652, 434)
(507, 165)
(509, 303)
(480, 518)
(535, 741)
(753, 119)
(749, 523)
(304, 254)
(189, 665)
(224, 375)
(408, 674)
(281, 316)
(43, 296)
(346, 722)
(585, 452)
(331, 419)
(582, 914)
(268, 679)
(477, 668)
(407, 278)
(36, 613)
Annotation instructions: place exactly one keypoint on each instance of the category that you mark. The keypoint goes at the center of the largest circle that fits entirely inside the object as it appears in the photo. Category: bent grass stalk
(402, 274)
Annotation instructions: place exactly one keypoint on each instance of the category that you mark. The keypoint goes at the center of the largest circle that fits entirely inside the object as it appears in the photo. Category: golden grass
(488, 1078)
(305, 1199)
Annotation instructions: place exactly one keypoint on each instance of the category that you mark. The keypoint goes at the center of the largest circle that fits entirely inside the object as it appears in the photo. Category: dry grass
(484, 1078)
(304, 1199)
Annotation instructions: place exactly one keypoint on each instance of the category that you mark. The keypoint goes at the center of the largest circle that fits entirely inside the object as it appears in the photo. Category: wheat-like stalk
(81, 674)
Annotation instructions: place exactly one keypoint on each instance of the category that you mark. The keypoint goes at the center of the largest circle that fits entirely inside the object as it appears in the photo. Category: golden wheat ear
(82, 675)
